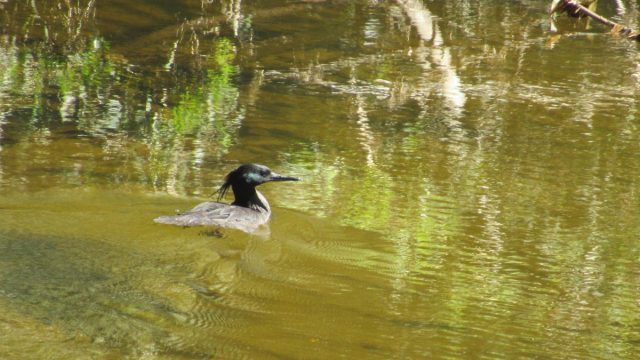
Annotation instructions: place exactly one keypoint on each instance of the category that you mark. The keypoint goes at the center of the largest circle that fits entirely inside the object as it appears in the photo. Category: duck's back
(218, 214)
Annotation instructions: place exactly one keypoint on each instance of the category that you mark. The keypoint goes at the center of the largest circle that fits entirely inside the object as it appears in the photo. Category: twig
(572, 7)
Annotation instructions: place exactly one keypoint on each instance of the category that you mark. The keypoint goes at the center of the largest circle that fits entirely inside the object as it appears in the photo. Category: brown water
(470, 180)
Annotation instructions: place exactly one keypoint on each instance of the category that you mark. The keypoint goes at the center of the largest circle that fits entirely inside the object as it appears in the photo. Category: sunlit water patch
(167, 290)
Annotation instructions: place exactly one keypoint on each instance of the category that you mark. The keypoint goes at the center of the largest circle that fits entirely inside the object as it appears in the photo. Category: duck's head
(248, 176)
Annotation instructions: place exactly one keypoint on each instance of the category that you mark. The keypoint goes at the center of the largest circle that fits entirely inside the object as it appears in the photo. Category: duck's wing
(207, 213)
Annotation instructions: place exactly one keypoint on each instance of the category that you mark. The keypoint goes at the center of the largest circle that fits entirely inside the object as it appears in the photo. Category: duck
(249, 210)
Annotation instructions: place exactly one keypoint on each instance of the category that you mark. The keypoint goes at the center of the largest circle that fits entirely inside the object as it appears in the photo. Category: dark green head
(246, 177)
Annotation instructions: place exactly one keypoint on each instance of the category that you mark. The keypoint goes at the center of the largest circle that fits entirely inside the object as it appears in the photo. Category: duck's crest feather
(227, 184)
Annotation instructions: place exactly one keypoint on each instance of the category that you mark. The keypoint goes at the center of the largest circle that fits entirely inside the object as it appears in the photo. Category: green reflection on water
(215, 100)
(84, 90)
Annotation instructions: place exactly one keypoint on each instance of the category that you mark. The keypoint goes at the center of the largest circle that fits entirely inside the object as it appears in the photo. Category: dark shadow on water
(66, 283)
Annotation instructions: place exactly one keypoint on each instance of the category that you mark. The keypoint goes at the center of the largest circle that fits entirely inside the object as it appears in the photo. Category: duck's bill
(278, 177)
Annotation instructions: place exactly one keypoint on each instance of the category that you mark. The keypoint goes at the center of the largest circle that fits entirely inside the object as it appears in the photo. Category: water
(469, 180)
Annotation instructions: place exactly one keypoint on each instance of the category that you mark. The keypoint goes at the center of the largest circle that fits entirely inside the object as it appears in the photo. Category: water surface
(470, 180)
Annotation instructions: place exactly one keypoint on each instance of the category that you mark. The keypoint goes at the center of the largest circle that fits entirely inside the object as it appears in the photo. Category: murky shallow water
(470, 182)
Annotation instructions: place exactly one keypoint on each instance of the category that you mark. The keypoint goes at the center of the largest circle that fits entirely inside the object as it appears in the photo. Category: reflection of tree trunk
(620, 8)
(429, 32)
(367, 139)
(234, 15)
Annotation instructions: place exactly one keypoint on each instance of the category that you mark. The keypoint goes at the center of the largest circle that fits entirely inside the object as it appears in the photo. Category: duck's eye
(265, 173)
(253, 177)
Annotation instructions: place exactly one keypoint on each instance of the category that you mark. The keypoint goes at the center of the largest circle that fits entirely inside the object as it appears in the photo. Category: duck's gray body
(212, 213)
(249, 210)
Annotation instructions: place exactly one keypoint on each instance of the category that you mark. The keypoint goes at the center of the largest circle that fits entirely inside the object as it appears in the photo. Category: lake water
(470, 180)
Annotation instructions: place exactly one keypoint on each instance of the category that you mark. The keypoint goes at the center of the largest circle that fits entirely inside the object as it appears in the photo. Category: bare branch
(574, 8)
